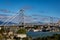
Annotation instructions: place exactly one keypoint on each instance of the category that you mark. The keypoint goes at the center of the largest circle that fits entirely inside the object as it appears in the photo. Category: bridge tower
(21, 18)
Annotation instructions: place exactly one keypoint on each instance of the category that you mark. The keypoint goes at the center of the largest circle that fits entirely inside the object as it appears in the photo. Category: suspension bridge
(25, 19)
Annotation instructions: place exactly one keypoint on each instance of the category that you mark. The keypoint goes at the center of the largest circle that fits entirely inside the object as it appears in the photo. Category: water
(41, 34)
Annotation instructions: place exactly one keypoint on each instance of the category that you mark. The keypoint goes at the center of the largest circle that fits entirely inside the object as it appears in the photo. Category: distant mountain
(35, 23)
(6, 22)
(3, 15)
(1, 22)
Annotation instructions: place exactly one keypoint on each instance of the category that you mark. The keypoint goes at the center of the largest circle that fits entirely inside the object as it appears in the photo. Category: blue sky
(35, 7)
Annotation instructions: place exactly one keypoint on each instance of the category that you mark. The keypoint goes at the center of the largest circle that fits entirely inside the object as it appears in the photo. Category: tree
(2, 30)
(21, 31)
(1, 37)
